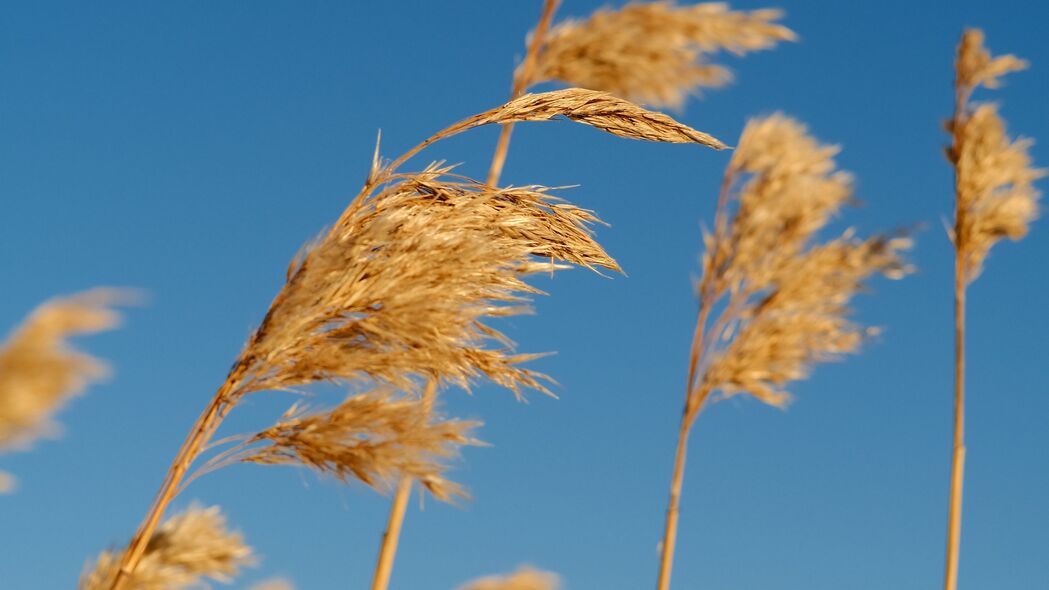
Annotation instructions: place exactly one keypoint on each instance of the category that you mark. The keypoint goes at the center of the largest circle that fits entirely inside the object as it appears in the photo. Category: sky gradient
(190, 148)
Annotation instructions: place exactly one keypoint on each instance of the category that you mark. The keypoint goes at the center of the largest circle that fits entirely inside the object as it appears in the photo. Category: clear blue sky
(189, 148)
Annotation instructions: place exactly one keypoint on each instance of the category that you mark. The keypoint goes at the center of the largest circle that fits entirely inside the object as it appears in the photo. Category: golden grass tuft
(995, 190)
(39, 372)
(525, 578)
(654, 53)
(187, 549)
(786, 298)
(377, 437)
(399, 289)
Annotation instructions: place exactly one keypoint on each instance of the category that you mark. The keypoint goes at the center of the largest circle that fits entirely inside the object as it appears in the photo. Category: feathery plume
(788, 297)
(39, 372)
(187, 549)
(782, 298)
(525, 578)
(654, 53)
(996, 197)
(601, 110)
(376, 437)
(398, 290)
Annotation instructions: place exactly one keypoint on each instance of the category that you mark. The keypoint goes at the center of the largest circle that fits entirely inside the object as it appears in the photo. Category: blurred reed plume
(187, 549)
(40, 372)
(396, 293)
(654, 53)
(995, 198)
(525, 578)
(781, 296)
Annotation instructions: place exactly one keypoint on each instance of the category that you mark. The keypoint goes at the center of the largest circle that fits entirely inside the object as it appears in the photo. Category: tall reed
(397, 291)
(39, 372)
(773, 298)
(995, 198)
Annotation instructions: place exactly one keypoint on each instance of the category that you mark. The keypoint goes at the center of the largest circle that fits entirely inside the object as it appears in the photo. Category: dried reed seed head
(187, 549)
(654, 53)
(996, 197)
(975, 66)
(375, 437)
(787, 297)
(601, 110)
(38, 369)
(790, 190)
(399, 290)
(525, 578)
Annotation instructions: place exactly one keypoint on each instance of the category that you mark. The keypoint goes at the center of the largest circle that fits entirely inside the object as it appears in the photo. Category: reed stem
(392, 534)
(195, 442)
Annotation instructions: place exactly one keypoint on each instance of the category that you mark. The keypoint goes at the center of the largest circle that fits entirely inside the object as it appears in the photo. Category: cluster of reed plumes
(39, 372)
(395, 301)
(396, 294)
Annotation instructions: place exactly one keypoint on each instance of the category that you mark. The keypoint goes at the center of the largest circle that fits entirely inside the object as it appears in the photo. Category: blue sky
(190, 148)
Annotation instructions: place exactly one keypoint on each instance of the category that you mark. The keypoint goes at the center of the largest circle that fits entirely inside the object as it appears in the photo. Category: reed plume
(397, 291)
(187, 549)
(782, 296)
(525, 578)
(375, 437)
(40, 372)
(654, 53)
(995, 198)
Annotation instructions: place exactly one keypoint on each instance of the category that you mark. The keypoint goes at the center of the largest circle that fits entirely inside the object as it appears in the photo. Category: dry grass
(653, 53)
(601, 110)
(397, 291)
(995, 198)
(782, 297)
(525, 578)
(376, 437)
(40, 372)
(187, 549)
(995, 194)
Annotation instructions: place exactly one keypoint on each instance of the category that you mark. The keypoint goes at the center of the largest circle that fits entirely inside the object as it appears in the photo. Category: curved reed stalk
(397, 289)
(781, 298)
(994, 198)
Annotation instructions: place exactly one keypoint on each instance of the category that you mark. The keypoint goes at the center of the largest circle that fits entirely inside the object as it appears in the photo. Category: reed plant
(773, 295)
(995, 198)
(395, 294)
